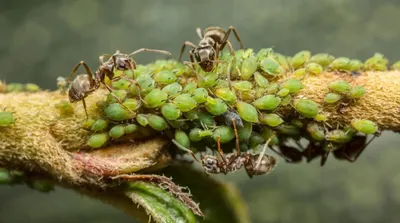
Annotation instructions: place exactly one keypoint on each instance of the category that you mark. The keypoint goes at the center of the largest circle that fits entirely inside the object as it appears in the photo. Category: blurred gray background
(41, 40)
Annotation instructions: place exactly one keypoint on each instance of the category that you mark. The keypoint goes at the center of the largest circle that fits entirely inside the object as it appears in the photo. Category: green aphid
(32, 87)
(316, 131)
(133, 90)
(272, 88)
(376, 63)
(288, 130)
(338, 136)
(191, 115)
(364, 126)
(282, 60)
(260, 92)
(210, 80)
(271, 66)
(286, 100)
(340, 64)
(206, 119)
(249, 52)
(170, 111)
(283, 92)
(396, 65)
(296, 122)
(121, 84)
(177, 124)
(339, 86)
(255, 140)
(356, 65)
(132, 103)
(261, 80)
(242, 86)
(225, 133)
(182, 138)
(88, 123)
(131, 128)
(314, 68)
(249, 66)
(263, 53)
(98, 140)
(146, 83)
(196, 134)
(300, 58)
(142, 120)
(185, 102)
(226, 94)
(41, 185)
(6, 119)
(322, 59)
(293, 85)
(180, 69)
(215, 106)
(15, 87)
(190, 87)
(245, 132)
(300, 73)
(331, 98)
(155, 98)
(200, 95)
(267, 102)
(117, 131)
(222, 84)
(356, 92)
(321, 117)
(5, 176)
(267, 134)
(99, 125)
(65, 108)
(117, 112)
(306, 107)
(157, 122)
(121, 95)
(247, 111)
(101, 104)
(272, 120)
(165, 77)
(172, 90)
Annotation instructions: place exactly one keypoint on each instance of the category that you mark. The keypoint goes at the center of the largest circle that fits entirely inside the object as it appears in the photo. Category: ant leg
(199, 33)
(88, 71)
(116, 97)
(262, 153)
(236, 136)
(194, 71)
(150, 50)
(84, 107)
(221, 153)
(185, 149)
(233, 54)
(231, 28)
(324, 158)
(186, 43)
(352, 160)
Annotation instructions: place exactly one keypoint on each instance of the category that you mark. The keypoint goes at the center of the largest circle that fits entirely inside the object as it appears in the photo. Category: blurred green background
(41, 40)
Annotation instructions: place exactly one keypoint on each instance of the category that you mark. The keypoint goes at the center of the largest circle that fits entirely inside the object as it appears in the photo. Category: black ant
(254, 164)
(85, 84)
(213, 40)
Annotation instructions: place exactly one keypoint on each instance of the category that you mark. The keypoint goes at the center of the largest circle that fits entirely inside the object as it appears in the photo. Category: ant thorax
(211, 164)
(235, 162)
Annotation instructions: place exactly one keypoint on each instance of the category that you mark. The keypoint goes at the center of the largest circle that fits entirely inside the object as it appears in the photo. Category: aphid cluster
(231, 98)
(18, 87)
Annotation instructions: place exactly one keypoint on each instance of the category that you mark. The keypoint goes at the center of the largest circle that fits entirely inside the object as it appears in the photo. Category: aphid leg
(88, 71)
(186, 43)
(352, 160)
(228, 32)
(199, 33)
(185, 149)
(221, 153)
(262, 153)
(150, 50)
(236, 136)
(84, 107)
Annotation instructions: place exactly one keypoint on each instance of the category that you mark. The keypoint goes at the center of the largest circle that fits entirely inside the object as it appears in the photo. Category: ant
(85, 84)
(254, 164)
(213, 40)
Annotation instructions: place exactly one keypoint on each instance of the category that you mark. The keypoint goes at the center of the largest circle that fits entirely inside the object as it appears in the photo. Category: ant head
(210, 164)
(266, 165)
(205, 56)
(122, 62)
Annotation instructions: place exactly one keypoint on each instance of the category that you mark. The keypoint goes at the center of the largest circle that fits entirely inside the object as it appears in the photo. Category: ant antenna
(194, 71)
(262, 152)
(185, 149)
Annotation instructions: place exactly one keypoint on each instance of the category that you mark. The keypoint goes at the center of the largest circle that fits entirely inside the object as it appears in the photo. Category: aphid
(331, 98)
(339, 86)
(98, 140)
(157, 122)
(314, 68)
(340, 64)
(300, 73)
(293, 85)
(6, 119)
(287, 129)
(172, 89)
(131, 128)
(99, 125)
(117, 112)
(197, 134)
(117, 131)
(322, 59)
(356, 92)
(88, 123)
(247, 111)
(224, 134)
(270, 66)
(117, 96)
(84, 84)
(321, 118)
(215, 106)
(283, 92)
(231, 116)
(170, 111)
(62, 84)
(226, 94)
(190, 87)
(249, 66)
(254, 164)
(165, 77)
(65, 108)
(155, 98)
(306, 107)
(396, 65)
(260, 79)
(263, 53)
(267, 102)
(272, 88)
(132, 104)
(200, 95)
(243, 86)
(364, 126)
(376, 63)
(182, 138)
(121, 84)
(185, 102)
(32, 87)
(356, 65)
(316, 131)
(142, 120)
(272, 120)
(213, 41)
(245, 132)
(299, 59)
(338, 136)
